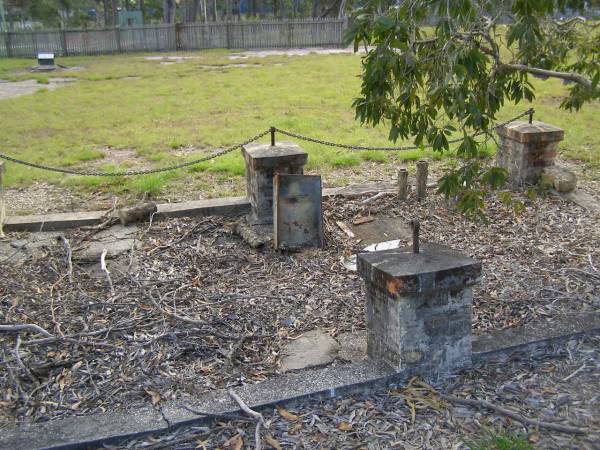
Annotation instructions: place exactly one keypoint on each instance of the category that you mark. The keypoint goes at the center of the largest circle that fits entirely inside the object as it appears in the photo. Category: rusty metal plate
(297, 211)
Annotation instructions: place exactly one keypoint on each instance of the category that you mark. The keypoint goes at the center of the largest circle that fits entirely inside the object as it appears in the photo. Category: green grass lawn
(184, 105)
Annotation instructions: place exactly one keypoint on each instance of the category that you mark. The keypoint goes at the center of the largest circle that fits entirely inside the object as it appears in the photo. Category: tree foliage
(433, 68)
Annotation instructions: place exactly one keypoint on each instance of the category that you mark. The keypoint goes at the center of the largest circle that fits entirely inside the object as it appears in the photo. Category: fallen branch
(258, 416)
(216, 416)
(25, 326)
(20, 363)
(175, 316)
(67, 246)
(345, 228)
(105, 270)
(514, 415)
(374, 198)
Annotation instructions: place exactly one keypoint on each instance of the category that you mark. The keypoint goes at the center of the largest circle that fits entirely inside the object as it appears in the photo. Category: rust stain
(394, 285)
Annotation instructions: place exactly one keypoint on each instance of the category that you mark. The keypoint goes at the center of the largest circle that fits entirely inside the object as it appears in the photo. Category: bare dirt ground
(189, 307)
(559, 385)
(11, 89)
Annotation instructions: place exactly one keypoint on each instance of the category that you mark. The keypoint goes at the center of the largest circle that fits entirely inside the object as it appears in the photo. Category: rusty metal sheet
(297, 211)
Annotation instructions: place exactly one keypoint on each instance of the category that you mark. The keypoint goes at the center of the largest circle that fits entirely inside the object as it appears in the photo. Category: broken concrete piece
(137, 213)
(313, 348)
(559, 178)
(250, 234)
(116, 240)
(382, 230)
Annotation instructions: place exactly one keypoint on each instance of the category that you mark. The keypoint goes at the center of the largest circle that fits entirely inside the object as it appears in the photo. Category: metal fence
(188, 36)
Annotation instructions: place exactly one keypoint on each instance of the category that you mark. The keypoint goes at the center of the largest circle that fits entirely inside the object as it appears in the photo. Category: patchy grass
(501, 441)
(127, 102)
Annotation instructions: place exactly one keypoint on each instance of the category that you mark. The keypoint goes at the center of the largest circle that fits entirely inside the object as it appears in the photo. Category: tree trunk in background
(239, 10)
(142, 8)
(227, 10)
(342, 7)
(275, 8)
(215, 10)
(169, 11)
(107, 21)
(115, 13)
(315, 8)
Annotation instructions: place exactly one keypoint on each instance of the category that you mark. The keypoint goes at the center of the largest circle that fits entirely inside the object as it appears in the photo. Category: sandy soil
(11, 89)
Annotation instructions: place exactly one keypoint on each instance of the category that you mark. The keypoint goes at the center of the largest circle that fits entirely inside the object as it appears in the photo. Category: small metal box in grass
(45, 59)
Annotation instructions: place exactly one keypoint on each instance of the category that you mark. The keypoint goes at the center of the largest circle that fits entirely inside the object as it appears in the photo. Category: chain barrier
(529, 113)
(135, 172)
(230, 149)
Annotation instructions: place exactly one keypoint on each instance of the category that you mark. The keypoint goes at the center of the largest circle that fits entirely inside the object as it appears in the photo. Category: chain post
(531, 111)
(272, 130)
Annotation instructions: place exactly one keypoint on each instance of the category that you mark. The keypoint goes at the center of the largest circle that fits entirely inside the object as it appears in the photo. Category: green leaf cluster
(436, 68)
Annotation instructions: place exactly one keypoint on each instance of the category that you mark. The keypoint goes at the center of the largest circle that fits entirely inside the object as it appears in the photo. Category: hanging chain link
(135, 172)
(529, 113)
(230, 149)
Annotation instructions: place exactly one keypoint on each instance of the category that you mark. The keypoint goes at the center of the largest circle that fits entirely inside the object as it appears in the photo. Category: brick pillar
(418, 308)
(263, 161)
(526, 149)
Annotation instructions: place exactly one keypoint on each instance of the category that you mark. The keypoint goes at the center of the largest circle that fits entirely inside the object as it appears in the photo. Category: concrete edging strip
(96, 430)
(227, 206)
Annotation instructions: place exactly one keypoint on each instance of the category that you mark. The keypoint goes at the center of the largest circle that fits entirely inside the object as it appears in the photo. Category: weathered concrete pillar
(418, 308)
(263, 161)
(526, 149)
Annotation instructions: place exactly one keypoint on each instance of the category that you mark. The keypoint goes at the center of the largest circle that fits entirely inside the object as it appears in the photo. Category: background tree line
(105, 13)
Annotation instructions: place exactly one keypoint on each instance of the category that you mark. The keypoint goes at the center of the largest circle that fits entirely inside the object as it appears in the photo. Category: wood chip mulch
(195, 309)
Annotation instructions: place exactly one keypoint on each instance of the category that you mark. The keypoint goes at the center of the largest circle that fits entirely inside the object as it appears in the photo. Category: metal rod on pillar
(272, 136)
(531, 111)
(415, 225)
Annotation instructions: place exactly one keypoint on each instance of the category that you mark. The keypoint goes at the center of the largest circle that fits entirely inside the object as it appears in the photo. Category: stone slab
(313, 348)
(297, 211)
(401, 270)
(382, 230)
(583, 199)
(110, 428)
(227, 206)
(53, 222)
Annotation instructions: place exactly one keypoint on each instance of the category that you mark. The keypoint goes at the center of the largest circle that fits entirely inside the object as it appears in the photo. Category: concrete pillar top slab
(401, 271)
(525, 132)
(262, 156)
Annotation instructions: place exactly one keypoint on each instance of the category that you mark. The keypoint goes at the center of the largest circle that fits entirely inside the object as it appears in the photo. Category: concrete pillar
(418, 308)
(263, 161)
(526, 149)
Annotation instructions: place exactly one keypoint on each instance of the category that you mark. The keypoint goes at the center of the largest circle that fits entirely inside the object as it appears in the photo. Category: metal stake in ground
(402, 183)
(422, 169)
